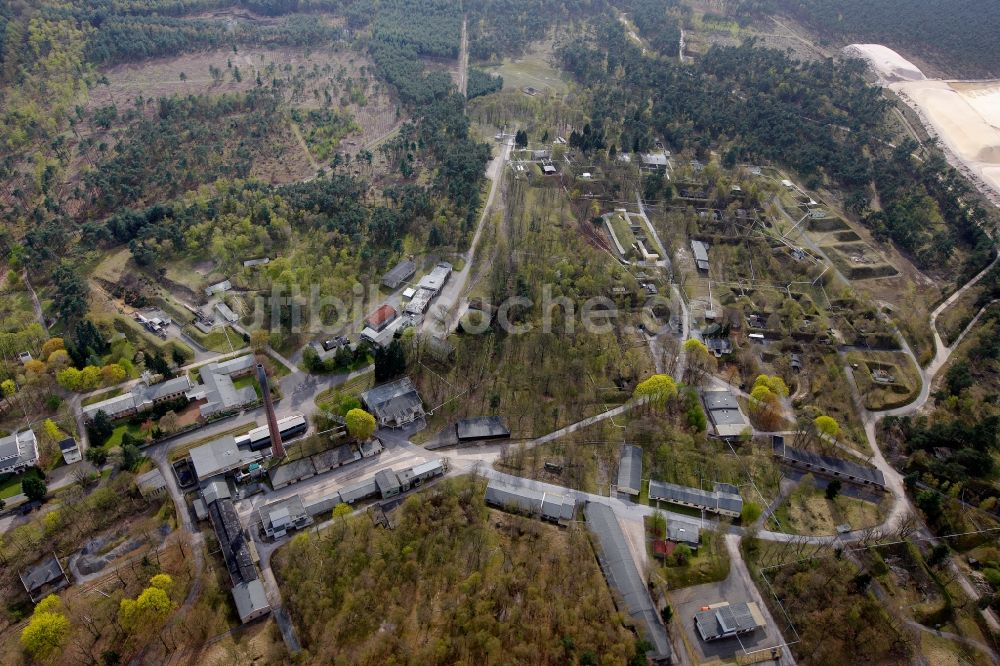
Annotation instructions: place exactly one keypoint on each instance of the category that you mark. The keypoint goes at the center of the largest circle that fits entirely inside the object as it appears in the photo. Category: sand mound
(887, 63)
(989, 154)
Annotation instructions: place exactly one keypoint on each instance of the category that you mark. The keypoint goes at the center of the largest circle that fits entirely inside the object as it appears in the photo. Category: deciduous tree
(360, 424)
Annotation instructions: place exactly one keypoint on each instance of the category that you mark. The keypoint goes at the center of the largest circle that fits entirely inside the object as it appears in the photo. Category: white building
(18, 452)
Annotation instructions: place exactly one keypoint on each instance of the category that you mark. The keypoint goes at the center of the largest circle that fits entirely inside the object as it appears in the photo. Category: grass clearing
(113, 266)
(220, 340)
(534, 70)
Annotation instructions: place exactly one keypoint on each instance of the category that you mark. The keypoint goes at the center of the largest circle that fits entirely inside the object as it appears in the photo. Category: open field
(533, 69)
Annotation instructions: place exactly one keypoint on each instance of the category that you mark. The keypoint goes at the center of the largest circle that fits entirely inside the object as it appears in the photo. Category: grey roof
(387, 482)
(483, 427)
(230, 367)
(727, 620)
(630, 470)
(215, 490)
(552, 506)
(159, 391)
(18, 450)
(623, 576)
(220, 456)
(232, 541)
(219, 392)
(226, 312)
(683, 533)
(250, 599)
(393, 401)
(835, 466)
(725, 413)
(42, 573)
(700, 251)
(151, 481)
(335, 457)
(358, 491)
(282, 475)
(400, 272)
(712, 501)
(721, 399)
(285, 513)
(436, 279)
(112, 406)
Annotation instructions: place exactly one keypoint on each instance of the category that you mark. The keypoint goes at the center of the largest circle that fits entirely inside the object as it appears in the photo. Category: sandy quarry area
(889, 65)
(963, 115)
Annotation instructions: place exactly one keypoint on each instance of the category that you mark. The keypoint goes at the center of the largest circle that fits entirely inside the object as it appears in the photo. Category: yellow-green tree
(52, 431)
(360, 424)
(699, 359)
(659, 389)
(774, 383)
(69, 379)
(8, 388)
(47, 631)
(827, 426)
(150, 609)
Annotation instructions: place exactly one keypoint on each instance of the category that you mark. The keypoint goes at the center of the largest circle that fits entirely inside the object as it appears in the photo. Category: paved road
(445, 307)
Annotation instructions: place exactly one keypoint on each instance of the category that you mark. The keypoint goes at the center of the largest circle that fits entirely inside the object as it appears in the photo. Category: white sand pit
(888, 64)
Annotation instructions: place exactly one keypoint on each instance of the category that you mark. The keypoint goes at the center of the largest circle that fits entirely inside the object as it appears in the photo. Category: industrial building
(141, 398)
(151, 484)
(725, 620)
(248, 591)
(436, 279)
(724, 500)
(554, 507)
(221, 457)
(217, 390)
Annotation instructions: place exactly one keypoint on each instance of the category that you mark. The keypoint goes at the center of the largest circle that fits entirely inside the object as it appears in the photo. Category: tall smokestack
(272, 421)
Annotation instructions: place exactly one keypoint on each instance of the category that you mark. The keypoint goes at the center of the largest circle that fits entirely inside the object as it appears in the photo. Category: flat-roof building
(700, 255)
(151, 483)
(724, 499)
(420, 302)
(630, 470)
(437, 278)
(226, 313)
(248, 591)
(140, 398)
(725, 620)
(521, 499)
(828, 466)
(724, 411)
(388, 483)
(18, 451)
(394, 404)
(218, 288)
(399, 274)
(481, 428)
(221, 456)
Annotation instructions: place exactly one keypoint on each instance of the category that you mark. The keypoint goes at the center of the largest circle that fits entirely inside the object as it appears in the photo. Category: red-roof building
(381, 318)
(663, 549)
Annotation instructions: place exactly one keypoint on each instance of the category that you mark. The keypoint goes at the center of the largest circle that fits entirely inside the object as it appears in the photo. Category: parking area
(736, 588)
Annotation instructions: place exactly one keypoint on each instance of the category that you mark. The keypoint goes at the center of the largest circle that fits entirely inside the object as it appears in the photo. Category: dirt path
(463, 60)
(302, 144)
(39, 315)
